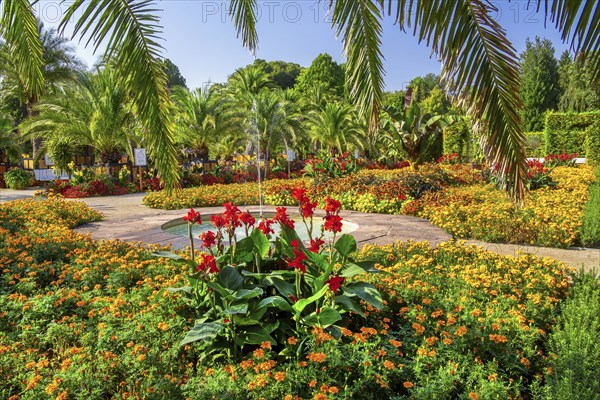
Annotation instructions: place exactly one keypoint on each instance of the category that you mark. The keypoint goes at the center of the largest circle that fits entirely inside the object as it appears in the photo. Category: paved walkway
(127, 219)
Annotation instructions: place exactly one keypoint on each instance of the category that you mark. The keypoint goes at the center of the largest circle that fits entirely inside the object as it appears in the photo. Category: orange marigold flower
(320, 396)
(258, 353)
(246, 364)
(280, 376)
(292, 340)
(473, 396)
(498, 338)
(346, 331)
(316, 357)
(460, 331)
(419, 329)
(395, 343)
(421, 352)
(333, 390)
(312, 383)
(265, 345)
(388, 364)
(407, 385)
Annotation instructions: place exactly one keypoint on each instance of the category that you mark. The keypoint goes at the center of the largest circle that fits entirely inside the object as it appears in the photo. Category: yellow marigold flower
(492, 377)
(421, 352)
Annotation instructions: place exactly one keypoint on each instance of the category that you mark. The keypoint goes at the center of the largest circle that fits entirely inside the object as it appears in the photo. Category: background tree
(283, 74)
(323, 73)
(580, 92)
(540, 87)
(333, 128)
(174, 77)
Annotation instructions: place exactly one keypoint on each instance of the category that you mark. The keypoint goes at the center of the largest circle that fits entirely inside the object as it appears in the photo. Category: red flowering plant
(563, 159)
(267, 287)
(325, 166)
(538, 175)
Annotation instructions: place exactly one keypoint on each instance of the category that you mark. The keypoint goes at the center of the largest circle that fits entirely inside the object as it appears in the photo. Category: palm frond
(20, 30)
(130, 28)
(243, 14)
(480, 62)
(359, 22)
(579, 22)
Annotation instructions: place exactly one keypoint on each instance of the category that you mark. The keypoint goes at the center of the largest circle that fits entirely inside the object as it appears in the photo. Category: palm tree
(97, 112)
(271, 119)
(196, 119)
(333, 127)
(60, 67)
(477, 58)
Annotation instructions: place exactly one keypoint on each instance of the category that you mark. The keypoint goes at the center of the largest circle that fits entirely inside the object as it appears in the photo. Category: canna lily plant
(266, 287)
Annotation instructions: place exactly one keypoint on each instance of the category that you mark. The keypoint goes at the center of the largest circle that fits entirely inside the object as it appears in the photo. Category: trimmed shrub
(457, 139)
(569, 132)
(534, 144)
(592, 145)
(590, 226)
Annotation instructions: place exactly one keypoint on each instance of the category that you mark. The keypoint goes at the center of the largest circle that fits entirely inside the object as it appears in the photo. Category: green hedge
(457, 139)
(573, 133)
(590, 226)
(535, 145)
(592, 144)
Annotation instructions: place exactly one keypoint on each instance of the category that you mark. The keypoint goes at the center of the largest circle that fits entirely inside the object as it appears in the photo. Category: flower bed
(91, 319)
(551, 217)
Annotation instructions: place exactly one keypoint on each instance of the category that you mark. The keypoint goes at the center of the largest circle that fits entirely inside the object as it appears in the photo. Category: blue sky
(201, 40)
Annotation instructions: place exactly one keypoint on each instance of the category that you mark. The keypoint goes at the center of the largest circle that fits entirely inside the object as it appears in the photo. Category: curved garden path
(127, 219)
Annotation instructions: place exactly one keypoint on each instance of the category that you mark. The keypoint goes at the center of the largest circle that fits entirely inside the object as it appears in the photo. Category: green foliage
(539, 83)
(325, 73)
(574, 369)
(569, 132)
(18, 178)
(534, 144)
(592, 143)
(457, 139)
(590, 226)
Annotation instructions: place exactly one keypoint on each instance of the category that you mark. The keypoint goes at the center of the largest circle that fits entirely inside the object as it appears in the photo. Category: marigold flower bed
(88, 319)
(552, 216)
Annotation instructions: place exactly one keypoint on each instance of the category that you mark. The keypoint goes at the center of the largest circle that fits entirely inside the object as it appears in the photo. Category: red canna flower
(315, 245)
(282, 217)
(265, 226)
(335, 282)
(299, 194)
(231, 215)
(401, 197)
(332, 205)
(208, 265)
(247, 219)
(208, 239)
(333, 223)
(218, 221)
(299, 256)
(193, 217)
